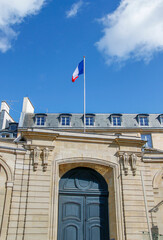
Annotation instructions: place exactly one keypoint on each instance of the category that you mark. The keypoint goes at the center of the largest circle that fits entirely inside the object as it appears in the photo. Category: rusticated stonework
(31, 168)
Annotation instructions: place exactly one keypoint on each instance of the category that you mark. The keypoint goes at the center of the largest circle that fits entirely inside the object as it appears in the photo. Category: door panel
(71, 218)
(96, 218)
(83, 206)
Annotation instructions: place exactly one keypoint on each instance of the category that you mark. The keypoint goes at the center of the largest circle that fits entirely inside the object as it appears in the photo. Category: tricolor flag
(79, 70)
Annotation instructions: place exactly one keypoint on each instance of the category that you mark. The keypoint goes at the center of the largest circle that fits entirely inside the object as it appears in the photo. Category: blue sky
(42, 43)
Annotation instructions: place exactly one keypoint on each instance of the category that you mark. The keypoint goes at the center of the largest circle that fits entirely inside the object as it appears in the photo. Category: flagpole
(84, 94)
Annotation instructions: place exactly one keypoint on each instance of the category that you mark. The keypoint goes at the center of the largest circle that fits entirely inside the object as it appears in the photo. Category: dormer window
(40, 119)
(160, 118)
(5, 135)
(143, 121)
(116, 119)
(65, 121)
(89, 121)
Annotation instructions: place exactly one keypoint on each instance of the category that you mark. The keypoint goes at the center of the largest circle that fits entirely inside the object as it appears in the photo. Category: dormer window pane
(143, 121)
(116, 121)
(40, 121)
(161, 120)
(89, 121)
(65, 121)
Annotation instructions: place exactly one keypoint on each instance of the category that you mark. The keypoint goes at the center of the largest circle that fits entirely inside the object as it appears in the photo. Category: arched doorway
(83, 206)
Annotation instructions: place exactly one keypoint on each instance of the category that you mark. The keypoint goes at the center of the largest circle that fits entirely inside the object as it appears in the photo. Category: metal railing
(154, 236)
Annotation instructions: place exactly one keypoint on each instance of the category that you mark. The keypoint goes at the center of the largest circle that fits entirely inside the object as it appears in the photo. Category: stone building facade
(58, 182)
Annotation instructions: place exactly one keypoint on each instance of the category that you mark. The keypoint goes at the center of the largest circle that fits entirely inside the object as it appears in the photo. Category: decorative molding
(133, 163)
(33, 146)
(53, 216)
(125, 162)
(40, 153)
(7, 169)
(45, 158)
(9, 184)
(129, 158)
(36, 157)
(157, 179)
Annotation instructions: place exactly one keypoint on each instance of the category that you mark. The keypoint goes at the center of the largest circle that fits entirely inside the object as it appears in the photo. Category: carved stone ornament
(36, 157)
(45, 158)
(125, 162)
(133, 163)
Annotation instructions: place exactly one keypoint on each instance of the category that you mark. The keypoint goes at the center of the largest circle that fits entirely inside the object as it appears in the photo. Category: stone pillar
(9, 187)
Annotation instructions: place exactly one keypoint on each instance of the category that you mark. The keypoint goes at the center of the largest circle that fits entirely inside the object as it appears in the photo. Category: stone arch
(157, 179)
(6, 191)
(6, 169)
(86, 192)
(158, 196)
(86, 160)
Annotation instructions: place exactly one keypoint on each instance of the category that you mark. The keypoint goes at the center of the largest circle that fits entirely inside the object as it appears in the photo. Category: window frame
(5, 135)
(146, 139)
(114, 118)
(41, 119)
(89, 117)
(65, 117)
(144, 118)
(160, 118)
(117, 119)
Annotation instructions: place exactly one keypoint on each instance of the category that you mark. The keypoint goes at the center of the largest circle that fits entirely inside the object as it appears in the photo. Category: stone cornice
(138, 154)
(12, 150)
(152, 155)
(51, 135)
(111, 130)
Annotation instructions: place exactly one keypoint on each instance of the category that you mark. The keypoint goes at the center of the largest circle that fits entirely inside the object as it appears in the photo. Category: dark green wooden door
(83, 206)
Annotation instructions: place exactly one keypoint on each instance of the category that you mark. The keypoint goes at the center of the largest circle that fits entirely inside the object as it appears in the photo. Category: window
(143, 121)
(116, 120)
(148, 138)
(13, 126)
(89, 121)
(40, 121)
(161, 119)
(65, 121)
(5, 135)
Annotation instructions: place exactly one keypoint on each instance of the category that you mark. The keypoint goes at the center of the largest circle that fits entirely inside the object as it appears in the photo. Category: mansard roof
(102, 121)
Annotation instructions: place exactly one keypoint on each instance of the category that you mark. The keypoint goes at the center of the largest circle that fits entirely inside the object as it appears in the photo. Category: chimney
(27, 106)
(5, 107)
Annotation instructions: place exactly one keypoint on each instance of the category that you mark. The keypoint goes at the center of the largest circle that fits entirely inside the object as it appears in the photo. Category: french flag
(79, 70)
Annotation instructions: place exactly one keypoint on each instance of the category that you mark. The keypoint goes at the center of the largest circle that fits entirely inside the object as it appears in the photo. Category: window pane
(87, 121)
(161, 120)
(42, 120)
(63, 120)
(146, 121)
(143, 121)
(148, 138)
(116, 121)
(38, 121)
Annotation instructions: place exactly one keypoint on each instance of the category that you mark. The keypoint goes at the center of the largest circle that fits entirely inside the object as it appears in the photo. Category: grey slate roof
(102, 121)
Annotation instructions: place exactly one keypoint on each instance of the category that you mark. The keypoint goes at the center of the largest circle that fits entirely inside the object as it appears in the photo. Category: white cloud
(134, 30)
(13, 12)
(74, 9)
